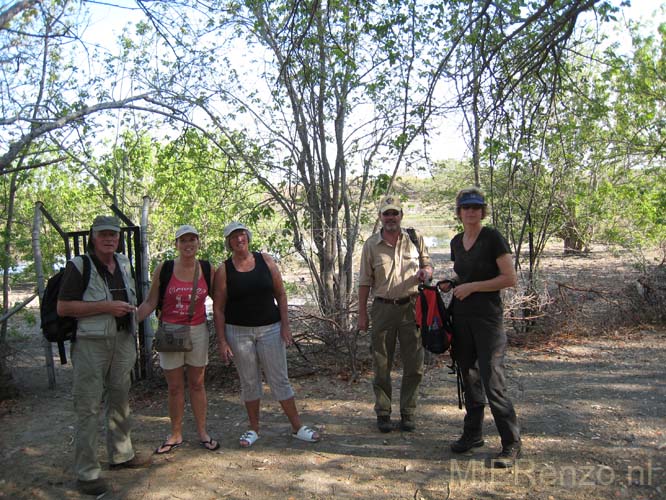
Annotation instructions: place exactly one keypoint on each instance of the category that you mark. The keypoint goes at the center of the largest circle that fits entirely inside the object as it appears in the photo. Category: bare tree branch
(42, 128)
(13, 10)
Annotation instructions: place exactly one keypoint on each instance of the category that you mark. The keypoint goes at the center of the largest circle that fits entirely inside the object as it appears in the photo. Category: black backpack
(165, 277)
(56, 328)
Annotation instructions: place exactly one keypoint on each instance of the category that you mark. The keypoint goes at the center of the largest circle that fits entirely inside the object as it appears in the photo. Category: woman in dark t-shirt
(483, 266)
(252, 325)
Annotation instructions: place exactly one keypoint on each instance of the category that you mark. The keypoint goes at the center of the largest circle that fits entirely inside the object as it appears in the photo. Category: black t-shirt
(479, 263)
(250, 295)
(72, 285)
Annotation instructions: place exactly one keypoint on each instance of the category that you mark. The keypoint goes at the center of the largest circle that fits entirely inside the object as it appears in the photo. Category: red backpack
(437, 329)
(433, 319)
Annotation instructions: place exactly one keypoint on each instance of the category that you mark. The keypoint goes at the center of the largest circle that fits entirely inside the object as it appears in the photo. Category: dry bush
(569, 309)
(324, 345)
(646, 297)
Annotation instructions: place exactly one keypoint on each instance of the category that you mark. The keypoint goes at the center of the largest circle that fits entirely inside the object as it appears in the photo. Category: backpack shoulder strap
(414, 238)
(165, 277)
(444, 312)
(84, 266)
(87, 268)
(78, 262)
(423, 300)
(207, 268)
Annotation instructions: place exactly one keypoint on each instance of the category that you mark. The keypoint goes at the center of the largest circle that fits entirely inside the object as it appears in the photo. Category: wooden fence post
(147, 325)
(37, 253)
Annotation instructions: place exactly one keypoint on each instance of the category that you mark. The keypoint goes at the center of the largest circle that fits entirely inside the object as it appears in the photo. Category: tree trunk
(7, 389)
(573, 244)
(7, 247)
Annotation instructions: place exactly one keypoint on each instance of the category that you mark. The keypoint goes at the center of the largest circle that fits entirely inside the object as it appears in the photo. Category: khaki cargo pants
(102, 367)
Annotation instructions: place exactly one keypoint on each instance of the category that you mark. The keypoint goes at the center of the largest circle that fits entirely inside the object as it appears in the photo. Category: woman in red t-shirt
(175, 305)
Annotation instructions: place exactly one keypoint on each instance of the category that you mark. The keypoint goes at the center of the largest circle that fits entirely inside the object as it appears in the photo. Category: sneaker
(384, 423)
(507, 457)
(93, 487)
(407, 423)
(136, 462)
(466, 443)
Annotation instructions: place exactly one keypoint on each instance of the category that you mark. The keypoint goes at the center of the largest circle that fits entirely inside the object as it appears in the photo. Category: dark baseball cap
(471, 199)
(106, 223)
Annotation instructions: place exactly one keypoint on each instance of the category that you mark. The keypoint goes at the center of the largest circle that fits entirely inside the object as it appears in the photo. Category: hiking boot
(93, 487)
(407, 423)
(507, 457)
(466, 443)
(384, 423)
(136, 462)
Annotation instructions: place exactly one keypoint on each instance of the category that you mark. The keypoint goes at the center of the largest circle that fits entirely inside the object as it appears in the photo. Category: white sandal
(248, 437)
(308, 434)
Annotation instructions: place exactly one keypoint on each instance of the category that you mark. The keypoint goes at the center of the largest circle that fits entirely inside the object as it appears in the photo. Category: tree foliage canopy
(295, 116)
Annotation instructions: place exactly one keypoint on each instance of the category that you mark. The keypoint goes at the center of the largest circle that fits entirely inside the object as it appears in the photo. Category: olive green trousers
(393, 323)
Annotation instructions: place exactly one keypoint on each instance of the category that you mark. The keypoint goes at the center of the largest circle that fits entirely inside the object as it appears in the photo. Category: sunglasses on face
(471, 207)
(391, 213)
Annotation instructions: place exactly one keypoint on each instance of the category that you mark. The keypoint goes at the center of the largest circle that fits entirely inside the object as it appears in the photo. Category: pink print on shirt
(177, 302)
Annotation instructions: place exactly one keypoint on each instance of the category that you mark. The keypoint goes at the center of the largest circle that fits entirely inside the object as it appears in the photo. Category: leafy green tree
(487, 50)
(578, 160)
(193, 182)
(339, 79)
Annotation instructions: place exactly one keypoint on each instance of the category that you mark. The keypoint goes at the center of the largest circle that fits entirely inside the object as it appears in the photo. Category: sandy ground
(592, 415)
(592, 409)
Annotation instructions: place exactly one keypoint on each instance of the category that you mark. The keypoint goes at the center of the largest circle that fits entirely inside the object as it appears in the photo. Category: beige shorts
(198, 356)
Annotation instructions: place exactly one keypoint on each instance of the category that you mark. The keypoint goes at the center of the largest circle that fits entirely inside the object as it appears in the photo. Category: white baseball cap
(235, 226)
(390, 202)
(186, 229)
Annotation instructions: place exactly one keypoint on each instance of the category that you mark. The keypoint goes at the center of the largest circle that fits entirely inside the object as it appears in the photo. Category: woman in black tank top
(252, 325)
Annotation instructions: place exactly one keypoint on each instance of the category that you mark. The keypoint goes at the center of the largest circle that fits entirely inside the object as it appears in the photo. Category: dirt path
(593, 415)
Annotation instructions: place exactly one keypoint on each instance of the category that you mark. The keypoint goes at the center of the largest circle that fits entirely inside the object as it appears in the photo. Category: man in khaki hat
(392, 265)
(104, 352)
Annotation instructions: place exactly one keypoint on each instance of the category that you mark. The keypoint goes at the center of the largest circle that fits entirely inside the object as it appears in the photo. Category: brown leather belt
(396, 302)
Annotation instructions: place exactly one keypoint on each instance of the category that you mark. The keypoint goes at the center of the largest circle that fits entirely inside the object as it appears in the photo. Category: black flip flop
(204, 444)
(169, 448)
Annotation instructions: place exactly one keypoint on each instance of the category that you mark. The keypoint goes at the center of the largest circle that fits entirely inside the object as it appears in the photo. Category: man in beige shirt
(392, 265)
